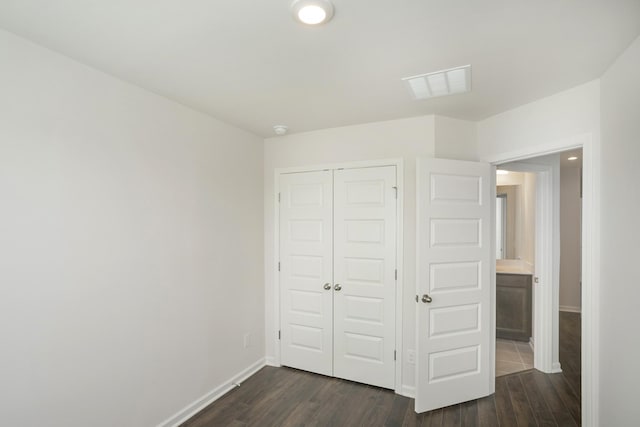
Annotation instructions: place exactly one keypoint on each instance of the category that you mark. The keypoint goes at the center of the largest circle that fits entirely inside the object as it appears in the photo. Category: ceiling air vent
(440, 83)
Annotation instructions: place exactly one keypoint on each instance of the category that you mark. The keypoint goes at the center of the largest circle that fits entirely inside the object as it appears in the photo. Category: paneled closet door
(306, 271)
(365, 274)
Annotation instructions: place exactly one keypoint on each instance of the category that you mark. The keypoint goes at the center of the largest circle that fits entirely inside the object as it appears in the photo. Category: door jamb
(398, 163)
(547, 257)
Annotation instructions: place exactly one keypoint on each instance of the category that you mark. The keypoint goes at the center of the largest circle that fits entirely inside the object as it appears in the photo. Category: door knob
(426, 298)
(337, 287)
(327, 286)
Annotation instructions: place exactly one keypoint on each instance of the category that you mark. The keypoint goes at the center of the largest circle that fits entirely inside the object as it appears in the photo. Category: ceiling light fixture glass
(572, 158)
(312, 12)
(502, 172)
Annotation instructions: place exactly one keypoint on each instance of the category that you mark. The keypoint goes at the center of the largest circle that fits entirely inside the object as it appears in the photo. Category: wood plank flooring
(288, 397)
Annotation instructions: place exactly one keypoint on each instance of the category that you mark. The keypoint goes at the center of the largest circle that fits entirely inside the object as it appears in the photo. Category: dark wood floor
(288, 397)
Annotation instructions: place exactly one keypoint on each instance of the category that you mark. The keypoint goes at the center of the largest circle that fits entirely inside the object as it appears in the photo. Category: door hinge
(394, 355)
(396, 190)
(278, 266)
(396, 274)
(278, 197)
(279, 335)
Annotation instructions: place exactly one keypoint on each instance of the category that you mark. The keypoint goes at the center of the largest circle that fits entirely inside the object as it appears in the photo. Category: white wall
(619, 314)
(541, 125)
(131, 250)
(512, 178)
(570, 246)
(455, 139)
(406, 138)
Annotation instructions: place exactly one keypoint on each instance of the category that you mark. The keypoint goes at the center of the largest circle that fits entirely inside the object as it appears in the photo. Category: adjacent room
(318, 212)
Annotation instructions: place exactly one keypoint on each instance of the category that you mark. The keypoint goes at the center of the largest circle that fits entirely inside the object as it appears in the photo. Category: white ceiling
(250, 64)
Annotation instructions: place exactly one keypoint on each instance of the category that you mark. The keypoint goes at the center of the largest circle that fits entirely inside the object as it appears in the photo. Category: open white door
(306, 257)
(454, 326)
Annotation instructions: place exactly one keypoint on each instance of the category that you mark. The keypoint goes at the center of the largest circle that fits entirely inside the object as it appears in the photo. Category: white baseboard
(193, 408)
(555, 368)
(271, 361)
(407, 391)
(570, 309)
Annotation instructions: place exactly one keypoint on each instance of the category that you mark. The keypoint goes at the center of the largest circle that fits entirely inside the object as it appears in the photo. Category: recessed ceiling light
(572, 158)
(440, 83)
(312, 12)
(502, 172)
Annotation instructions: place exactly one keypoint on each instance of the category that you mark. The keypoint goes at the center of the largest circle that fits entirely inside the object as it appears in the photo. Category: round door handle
(327, 286)
(426, 298)
(337, 287)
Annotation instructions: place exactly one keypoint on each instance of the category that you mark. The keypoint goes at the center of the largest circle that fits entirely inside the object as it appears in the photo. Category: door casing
(398, 163)
(547, 263)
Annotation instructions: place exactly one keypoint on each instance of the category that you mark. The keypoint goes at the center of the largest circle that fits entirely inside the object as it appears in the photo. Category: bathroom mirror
(507, 198)
(515, 200)
(501, 225)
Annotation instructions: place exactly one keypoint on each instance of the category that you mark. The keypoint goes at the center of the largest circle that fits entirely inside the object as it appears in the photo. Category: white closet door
(454, 283)
(306, 270)
(365, 263)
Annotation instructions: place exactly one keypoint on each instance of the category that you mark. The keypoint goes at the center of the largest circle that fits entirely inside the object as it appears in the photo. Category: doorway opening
(570, 298)
(516, 193)
(538, 280)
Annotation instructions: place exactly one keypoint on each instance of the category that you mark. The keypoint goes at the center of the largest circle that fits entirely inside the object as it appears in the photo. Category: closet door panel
(306, 270)
(364, 274)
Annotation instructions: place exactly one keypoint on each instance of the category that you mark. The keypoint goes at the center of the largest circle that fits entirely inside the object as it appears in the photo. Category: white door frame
(398, 163)
(546, 268)
(590, 145)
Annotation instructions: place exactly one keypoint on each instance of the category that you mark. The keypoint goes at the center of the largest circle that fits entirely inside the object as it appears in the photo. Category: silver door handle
(327, 286)
(337, 287)
(426, 298)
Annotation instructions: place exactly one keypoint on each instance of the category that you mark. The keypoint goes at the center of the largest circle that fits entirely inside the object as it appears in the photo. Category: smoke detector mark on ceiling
(280, 129)
(440, 83)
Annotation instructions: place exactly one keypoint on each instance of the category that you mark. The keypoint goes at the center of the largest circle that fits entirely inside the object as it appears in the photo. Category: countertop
(507, 266)
(512, 270)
